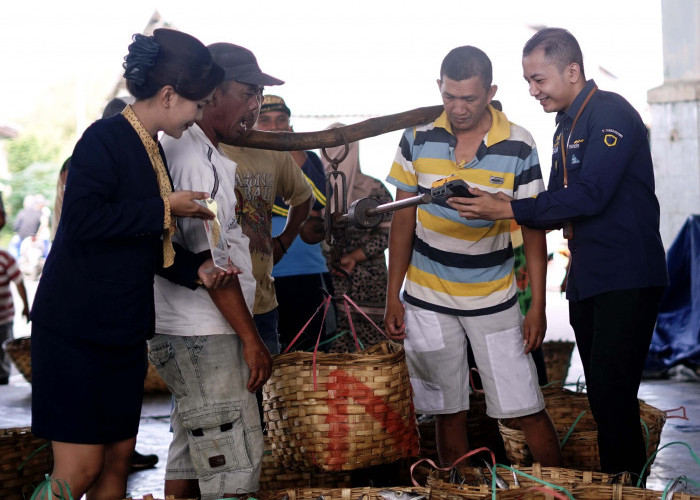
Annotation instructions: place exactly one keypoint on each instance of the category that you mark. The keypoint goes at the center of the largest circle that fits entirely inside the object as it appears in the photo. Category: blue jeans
(217, 437)
(266, 324)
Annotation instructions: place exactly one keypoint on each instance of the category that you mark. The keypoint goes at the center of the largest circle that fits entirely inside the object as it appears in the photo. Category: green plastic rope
(553, 382)
(517, 471)
(32, 455)
(673, 482)
(646, 435)
(571, 429)
(64, 492)
(653, 455)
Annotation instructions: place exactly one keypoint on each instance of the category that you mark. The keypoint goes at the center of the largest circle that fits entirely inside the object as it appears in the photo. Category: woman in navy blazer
(93, 309)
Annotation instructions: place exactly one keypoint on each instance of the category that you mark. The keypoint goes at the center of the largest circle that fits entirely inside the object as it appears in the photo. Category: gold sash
(163, 183)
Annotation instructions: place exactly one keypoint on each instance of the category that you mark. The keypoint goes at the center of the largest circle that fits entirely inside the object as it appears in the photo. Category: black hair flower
(142, 55)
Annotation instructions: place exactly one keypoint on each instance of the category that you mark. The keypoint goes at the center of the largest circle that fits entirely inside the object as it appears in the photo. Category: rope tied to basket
(325, 305)
(453, 465)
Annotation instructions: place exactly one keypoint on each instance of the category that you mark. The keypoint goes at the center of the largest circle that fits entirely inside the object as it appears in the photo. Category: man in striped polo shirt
(459, 282)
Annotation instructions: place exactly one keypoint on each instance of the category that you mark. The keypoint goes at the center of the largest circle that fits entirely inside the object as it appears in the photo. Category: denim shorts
(436, 355)
(217, 438)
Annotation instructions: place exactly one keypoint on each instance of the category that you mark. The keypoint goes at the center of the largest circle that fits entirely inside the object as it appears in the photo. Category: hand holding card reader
(450, 187)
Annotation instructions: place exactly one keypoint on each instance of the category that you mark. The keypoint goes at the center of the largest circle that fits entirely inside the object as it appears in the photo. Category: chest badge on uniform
(496, 180)
(575, 160)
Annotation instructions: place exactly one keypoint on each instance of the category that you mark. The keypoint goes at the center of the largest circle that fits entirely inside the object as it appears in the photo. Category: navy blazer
(97, 282)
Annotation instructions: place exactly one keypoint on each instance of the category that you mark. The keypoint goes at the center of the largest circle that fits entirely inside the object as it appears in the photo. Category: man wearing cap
(206, 346)
(261, 177)
(304, 267)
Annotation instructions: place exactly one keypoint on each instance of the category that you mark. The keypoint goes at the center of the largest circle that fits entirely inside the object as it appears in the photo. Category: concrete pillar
(675, 117)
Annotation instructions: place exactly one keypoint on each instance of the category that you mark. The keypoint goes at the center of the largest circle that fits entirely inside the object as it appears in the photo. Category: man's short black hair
(466, 62)
(559, 46)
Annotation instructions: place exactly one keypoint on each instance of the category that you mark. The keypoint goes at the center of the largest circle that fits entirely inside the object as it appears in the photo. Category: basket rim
(368, 356)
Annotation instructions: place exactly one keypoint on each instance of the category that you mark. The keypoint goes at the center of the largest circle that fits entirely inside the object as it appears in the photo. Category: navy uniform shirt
(610, 197)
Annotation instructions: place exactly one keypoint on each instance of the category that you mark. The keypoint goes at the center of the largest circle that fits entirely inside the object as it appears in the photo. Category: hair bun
(142, 55)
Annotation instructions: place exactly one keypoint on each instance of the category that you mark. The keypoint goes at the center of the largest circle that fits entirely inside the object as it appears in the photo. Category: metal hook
(335, 161)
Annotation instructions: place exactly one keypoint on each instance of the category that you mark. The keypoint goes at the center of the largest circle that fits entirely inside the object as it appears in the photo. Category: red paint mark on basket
(341, 386)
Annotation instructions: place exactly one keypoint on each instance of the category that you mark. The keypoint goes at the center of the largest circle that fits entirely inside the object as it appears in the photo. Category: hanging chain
(336, 206)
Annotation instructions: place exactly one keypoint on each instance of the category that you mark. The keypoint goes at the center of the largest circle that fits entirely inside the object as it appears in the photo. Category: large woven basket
(620, 492)
(530, 491)
(20, 472)
(336, 493)
(150, 497)
(568, 478)
(557, 359)
(581, 448)
(273, 475)
(20, 348)
(358, 412)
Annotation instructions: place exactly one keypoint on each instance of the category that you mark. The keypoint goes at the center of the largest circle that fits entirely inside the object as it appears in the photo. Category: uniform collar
(576, 105)
(499, 131)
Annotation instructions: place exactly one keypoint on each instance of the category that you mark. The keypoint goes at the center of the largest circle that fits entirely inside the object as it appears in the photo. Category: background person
(302, 275)
(262, 176)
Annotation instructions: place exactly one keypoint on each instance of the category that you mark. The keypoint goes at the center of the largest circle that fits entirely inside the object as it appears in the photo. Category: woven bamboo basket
(539, 492)
(358, 414)
(531, 491)
(581, 448)
(336, 493)
(16, 447)
(620, 492)
(154, 383)
(273, 475)
(150, 497)
(557, 359)
(19, 350)
(568, 478)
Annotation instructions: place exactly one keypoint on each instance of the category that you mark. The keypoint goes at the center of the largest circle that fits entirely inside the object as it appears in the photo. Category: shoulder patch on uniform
(610, 137)
(610, 140)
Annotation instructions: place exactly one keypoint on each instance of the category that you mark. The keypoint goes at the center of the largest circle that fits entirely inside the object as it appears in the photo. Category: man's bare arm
(231, 303)
(535, 324)
(401, 234)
